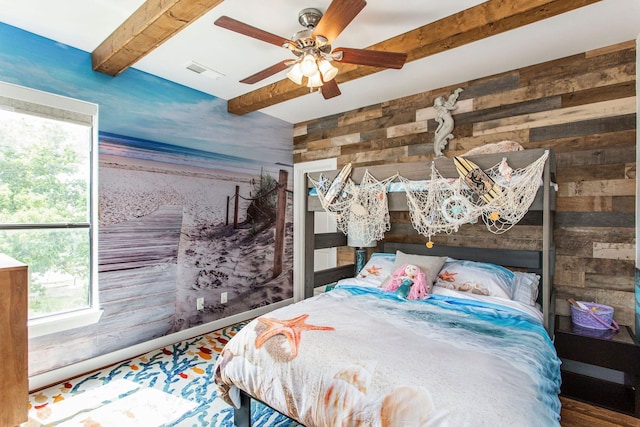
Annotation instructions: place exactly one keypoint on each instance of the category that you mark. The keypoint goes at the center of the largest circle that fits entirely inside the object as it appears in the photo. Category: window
(47, 200)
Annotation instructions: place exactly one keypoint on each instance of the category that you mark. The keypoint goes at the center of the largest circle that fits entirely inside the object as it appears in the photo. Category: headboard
(540, 213)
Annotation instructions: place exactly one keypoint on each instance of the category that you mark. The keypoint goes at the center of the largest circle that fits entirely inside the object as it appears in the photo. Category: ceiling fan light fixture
(308, 65)
(295, 74)
(328, 71)
(314, 81)
(312, 47)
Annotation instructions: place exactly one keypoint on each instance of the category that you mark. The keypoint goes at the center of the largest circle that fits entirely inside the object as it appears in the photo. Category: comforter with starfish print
(358, 356)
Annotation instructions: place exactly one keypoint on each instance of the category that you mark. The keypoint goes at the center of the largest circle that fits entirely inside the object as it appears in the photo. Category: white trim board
(299, 194)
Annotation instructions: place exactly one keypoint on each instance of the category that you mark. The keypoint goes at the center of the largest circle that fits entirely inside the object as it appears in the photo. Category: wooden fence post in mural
(281, 213)
(235, 208)
(227, 221)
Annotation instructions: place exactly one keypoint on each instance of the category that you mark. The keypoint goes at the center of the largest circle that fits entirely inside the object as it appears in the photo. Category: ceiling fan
(312, 47)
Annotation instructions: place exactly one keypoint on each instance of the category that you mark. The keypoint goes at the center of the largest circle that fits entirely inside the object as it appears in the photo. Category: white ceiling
(84, 24)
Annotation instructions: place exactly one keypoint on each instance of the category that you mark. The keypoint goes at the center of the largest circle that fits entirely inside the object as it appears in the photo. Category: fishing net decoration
(518, 190)
(361, 210)
(439, 206)
(443, 205)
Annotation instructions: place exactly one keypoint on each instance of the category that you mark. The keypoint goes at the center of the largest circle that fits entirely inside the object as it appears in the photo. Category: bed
(360, 355)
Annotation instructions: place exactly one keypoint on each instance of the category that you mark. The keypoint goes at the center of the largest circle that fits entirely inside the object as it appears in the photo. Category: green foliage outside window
(44, 182)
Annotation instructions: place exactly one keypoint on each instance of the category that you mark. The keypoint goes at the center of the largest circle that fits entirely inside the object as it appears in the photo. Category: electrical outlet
(223, 298)
(200, 303)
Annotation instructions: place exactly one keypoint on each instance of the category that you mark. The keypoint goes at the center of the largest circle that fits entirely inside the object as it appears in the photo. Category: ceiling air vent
(204, 71)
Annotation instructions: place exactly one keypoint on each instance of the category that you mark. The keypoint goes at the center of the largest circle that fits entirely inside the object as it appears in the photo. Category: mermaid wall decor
(445, 121)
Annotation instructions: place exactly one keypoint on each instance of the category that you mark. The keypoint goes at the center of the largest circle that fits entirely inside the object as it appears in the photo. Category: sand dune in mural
(236, 262)
(213, 257)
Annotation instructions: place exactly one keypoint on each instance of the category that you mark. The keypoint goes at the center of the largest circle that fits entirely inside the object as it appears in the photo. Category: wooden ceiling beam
(467, 26)
(147, 28)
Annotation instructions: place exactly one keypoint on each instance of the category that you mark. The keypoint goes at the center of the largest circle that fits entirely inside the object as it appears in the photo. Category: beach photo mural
(212, 216)
(188, 195)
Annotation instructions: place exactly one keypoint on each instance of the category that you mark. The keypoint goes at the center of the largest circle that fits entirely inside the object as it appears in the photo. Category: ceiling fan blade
(267, 72)
(248, 30)
(374, 58)
(330, 89)
(338, 15)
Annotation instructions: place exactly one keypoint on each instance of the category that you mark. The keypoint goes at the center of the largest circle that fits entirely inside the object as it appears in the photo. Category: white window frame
(87, 316)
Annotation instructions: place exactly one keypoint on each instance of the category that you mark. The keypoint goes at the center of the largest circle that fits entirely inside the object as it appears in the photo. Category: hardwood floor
(578, 414)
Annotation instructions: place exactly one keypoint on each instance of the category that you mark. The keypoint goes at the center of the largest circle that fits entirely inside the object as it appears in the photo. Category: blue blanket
(365, 357)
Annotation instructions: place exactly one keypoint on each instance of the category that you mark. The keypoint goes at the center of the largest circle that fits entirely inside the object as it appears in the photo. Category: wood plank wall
(582, 106)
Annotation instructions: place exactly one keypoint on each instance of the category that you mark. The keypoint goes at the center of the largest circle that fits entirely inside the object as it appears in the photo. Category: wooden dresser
(14, 383)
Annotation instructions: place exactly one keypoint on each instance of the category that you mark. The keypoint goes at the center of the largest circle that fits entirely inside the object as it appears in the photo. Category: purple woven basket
(584, 318)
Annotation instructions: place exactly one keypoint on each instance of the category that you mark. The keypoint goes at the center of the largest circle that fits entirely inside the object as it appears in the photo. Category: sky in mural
(141, 106)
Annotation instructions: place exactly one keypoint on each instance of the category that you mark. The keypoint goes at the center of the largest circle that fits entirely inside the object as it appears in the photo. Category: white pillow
(525, 287)
(375, 272)
(481, 278)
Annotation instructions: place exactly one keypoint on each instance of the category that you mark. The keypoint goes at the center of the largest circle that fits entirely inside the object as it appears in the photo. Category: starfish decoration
(323, 183)
(291, 329)
(447, 277)
(374, 271)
